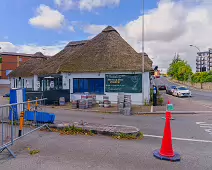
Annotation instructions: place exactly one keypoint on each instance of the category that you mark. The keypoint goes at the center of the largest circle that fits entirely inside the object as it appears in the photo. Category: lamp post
(143, 70)
(200, 56)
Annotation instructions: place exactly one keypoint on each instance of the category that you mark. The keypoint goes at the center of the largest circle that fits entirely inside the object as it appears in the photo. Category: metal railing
(20, 119)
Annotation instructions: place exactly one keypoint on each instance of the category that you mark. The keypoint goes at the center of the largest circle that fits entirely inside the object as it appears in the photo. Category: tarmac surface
(192, 138)
(99, 152)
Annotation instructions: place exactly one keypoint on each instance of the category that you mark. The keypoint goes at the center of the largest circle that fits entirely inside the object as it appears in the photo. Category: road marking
(208, 130)
(181, 139)
(200, 123)
(205, 125)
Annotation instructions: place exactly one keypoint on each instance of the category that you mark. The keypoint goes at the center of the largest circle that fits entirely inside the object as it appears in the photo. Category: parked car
(161, 87)
(7, 95)
(182, 92)
(170, 89)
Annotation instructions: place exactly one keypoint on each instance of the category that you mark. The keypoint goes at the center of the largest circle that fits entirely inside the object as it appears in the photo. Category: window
(16, 83)
(88, 85)
(23, 83)
(182, 88)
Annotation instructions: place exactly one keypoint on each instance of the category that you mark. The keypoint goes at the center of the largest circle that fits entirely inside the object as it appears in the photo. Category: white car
(181, 92)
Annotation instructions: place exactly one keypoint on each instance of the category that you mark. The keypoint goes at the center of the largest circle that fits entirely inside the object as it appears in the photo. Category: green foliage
(0, 60)
(72, 130)
(202, 77)
(208, 78)
(179, 69)
(160, 101)
(123, 136)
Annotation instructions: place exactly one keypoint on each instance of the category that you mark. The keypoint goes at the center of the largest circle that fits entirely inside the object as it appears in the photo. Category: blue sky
(15, 15)
(170, 25)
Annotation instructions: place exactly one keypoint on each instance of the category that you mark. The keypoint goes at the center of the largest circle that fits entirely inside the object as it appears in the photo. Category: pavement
(192, 138)
(99, 152)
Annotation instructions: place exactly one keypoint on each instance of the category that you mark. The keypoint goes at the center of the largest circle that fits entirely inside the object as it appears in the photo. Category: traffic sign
(170, 107)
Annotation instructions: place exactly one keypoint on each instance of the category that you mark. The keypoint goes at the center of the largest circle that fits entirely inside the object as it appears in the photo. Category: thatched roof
(107, 52)
(24, 70)
(146, 59)
(52, 65)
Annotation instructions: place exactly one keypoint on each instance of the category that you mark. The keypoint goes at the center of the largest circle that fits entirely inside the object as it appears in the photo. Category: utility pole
(143, 70)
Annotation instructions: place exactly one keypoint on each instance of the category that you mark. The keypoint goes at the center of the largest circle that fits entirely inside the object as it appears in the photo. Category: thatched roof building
(107, 52)
(53, 64)
(147, 59)
(25, 69)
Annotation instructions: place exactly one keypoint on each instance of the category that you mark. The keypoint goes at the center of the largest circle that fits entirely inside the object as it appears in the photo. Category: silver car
(182, 92)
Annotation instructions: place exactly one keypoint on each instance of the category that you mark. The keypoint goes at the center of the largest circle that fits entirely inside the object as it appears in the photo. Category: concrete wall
(136, 97)
(4, 81)
(204, 86)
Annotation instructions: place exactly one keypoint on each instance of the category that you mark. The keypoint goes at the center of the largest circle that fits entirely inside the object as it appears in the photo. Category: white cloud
(32, 48)
(65, 4)
(71, 28)
(92, 4)
(169, 28)
(47, 18)
(87, 5)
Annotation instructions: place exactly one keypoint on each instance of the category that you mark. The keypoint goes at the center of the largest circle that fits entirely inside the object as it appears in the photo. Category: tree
(179, 69)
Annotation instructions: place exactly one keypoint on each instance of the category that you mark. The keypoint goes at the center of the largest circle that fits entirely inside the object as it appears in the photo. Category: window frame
(89, 80)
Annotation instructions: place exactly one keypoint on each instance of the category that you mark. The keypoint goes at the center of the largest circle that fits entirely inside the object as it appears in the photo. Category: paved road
(102, 153)
(199, 97)
(98, 152)
(184, 126)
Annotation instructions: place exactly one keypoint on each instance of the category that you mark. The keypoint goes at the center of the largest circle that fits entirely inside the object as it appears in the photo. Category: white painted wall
(136, 97)
(28, 82)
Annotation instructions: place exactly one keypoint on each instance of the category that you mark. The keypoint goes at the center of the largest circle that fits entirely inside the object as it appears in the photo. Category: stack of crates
(106, 101)
(82, 104)
(74, 104)
(124, 104)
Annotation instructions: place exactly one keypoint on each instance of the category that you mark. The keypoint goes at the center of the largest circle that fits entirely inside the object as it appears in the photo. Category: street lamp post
(143, 52)
(200, 56)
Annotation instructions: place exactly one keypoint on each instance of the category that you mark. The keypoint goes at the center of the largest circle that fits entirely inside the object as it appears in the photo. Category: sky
(29, 26)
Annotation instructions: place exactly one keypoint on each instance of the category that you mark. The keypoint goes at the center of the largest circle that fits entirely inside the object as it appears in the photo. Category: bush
(208, 78)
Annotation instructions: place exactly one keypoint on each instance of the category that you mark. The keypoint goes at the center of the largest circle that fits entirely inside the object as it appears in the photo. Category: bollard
(36, 104)
(21, 124)
(28, 105)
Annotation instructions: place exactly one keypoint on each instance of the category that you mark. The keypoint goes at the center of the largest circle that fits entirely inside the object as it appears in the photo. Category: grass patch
(33, 152)
(72, 130)
(123, 136)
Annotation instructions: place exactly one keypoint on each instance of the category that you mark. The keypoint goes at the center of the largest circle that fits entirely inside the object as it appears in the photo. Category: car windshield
(182, 88)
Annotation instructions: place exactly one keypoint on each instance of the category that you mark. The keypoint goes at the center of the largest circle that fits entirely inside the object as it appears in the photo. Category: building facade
(9, 62)
(204, 61)
(104, 65)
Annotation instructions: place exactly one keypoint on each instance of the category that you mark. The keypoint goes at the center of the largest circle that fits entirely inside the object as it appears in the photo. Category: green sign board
(170, 107)
(127, 83)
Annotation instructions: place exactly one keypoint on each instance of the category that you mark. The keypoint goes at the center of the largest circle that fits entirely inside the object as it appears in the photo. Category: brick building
(10, 61)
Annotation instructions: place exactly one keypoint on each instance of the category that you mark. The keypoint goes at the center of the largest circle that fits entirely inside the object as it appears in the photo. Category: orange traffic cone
(166, 148)
(166, 152)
